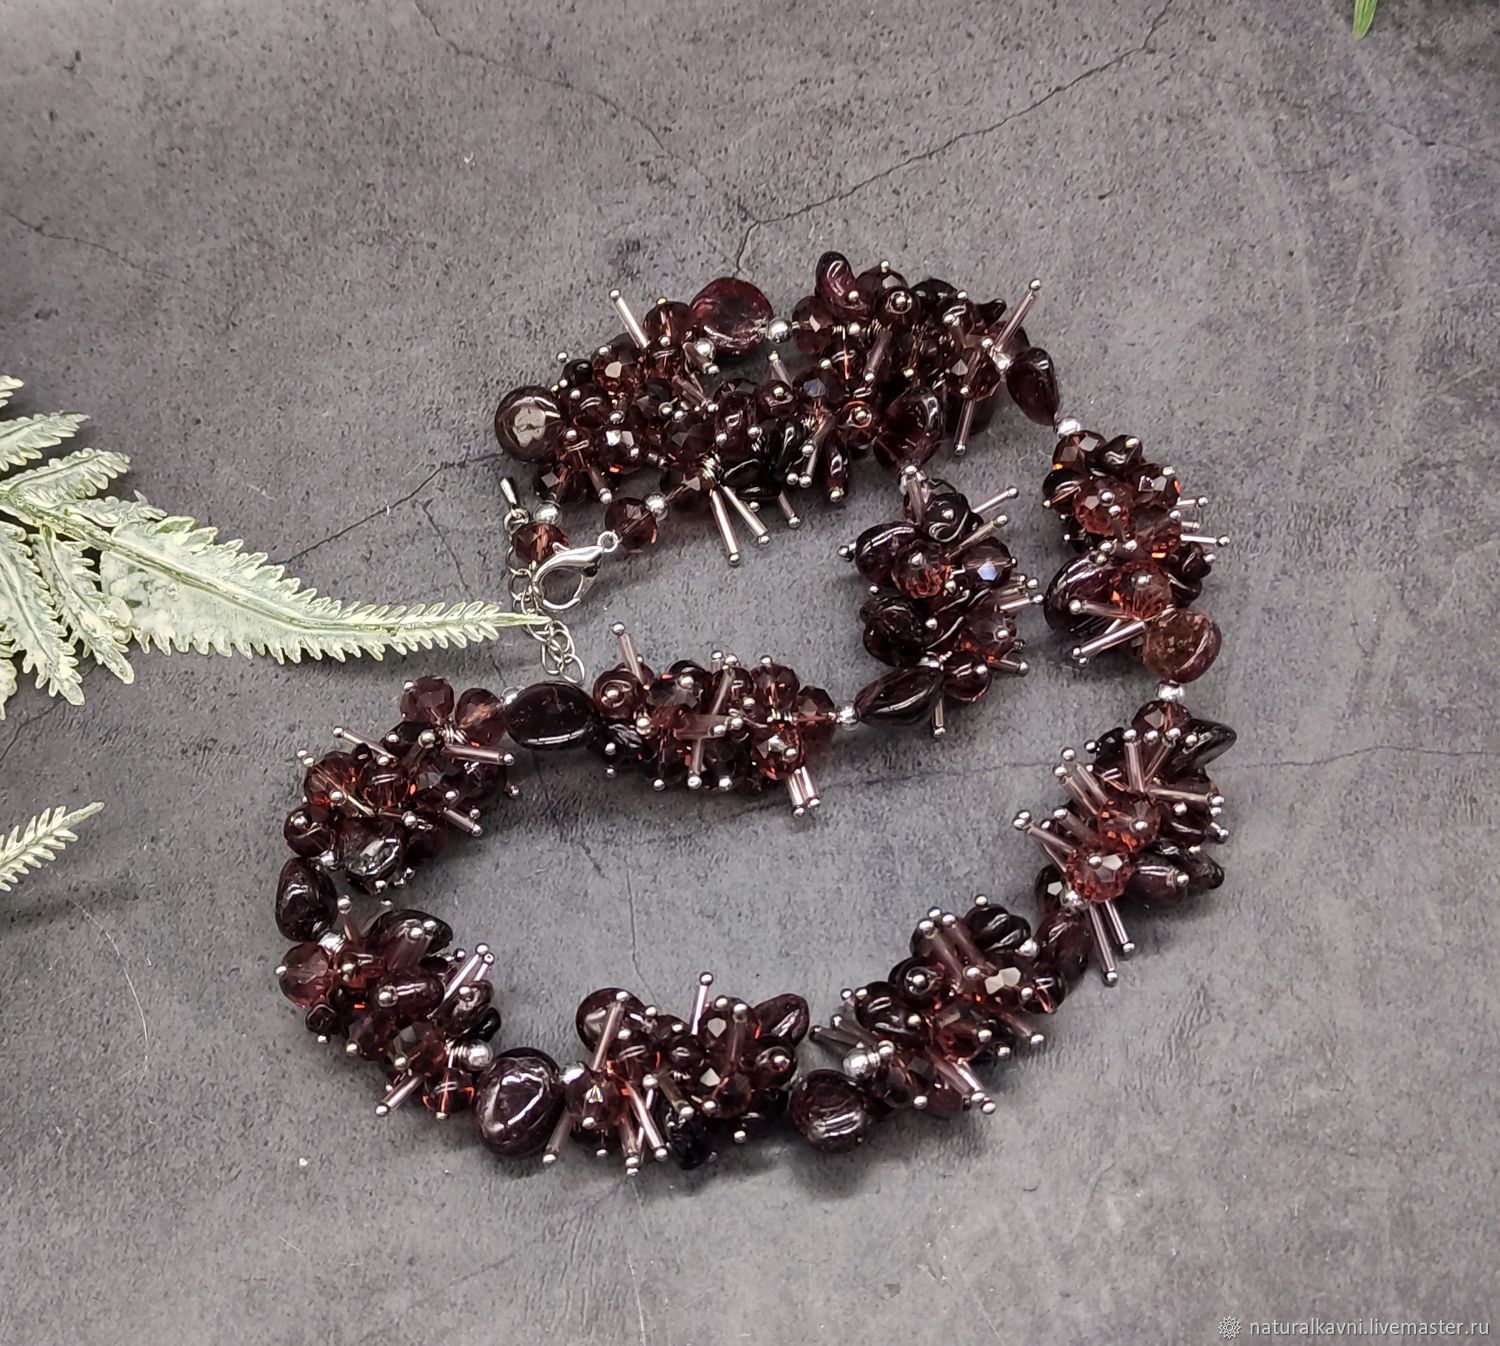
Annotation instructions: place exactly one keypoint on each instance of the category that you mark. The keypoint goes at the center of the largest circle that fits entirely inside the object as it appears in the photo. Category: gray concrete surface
(287, 255)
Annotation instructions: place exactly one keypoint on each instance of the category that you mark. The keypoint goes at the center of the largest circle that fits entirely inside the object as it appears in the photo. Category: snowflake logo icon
(1229, 1327)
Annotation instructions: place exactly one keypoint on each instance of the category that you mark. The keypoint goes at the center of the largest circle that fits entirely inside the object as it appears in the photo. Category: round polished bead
(1031, 381)
(528, 424)
(1180, 645)
(427, 701)
(306, 902)
(733, 314)
(830, 1111)
(966, 680)
(632, 521)
(517, 1102)
(553, 715)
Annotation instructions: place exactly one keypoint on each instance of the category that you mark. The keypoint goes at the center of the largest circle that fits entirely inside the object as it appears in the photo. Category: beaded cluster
(889, 371)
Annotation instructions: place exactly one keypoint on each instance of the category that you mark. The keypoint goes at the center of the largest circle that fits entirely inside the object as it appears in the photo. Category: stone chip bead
(518, 1100)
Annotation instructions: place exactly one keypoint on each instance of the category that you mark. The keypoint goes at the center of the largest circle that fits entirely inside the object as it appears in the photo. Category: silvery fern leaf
(38, 842)
(108, 511)
(8, 387)
(186, 591)
(7, 671)
(76, 476)
(102, 627)
(23, 439)
(29, 618)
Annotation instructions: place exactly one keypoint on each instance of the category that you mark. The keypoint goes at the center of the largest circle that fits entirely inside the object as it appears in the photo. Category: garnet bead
(633, 522)
(306, 902)
(306, 975)
(517, 1101)
(902, 697)
(830, 1111)
(733, 314)
(528, 424)
(479, 718)
(553, 715)
(535, 542)
(1031, 381)
(1181, 645)
(427, 701)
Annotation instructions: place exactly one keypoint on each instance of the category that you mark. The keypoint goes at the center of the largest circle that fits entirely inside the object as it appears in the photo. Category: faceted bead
(518, 1101)
(369, 850)
(1031, 381)
(733, 314)
(427, 701)
(307, 975)
(1165, 717)
(783, 1016)
(1117, 457)
(306, 836)
(332, 775)
(920, 570)
(1096, 882)
(372, 1033)
(812, 327)
(479, 718)
(1180, 645)
(535, 542)
(1065, 948)
(1155, 529)
(902, 697)
(562, 481)
(382, 785)
(616, 367)
(594, 1099)
(306, 902)
(668, 324)
(986, 565)
(528, 424)
(452, 1091)
(1128, 822)
(633, 522)
(830, 1111)
(912, 428)
(814, 715)
(324, 1021)
(469, 1008)
(551, 715)
(876, 549)
(989, 632)
(420, 1047)
(1103, 506)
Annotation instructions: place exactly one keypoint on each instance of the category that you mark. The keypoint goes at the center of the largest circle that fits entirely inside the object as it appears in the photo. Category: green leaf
(101, 627)
(186, 591)
(23, 439)
(40, 841)
(29, 618)
(1364, 16)
(75, 476)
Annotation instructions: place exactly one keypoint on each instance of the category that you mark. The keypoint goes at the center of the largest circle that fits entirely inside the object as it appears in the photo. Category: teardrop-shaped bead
(902, 697)
(517, 1101)
(783, 1016)
(1031, 381)
(306, 902)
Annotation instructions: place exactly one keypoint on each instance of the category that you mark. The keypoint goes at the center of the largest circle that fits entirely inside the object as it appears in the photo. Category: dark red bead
(528, 424)
(328, 778)
(966, 680)
(733, 314)
(783, 1016)
(479, 718)
(517, 1102)
(551, 715)
(912, 428)
(1181, 645)
(369, 849)
(306, 975)
(633, 522)
(920, 570)
(1031, 381)
(877, 547)
(812, 327)
(306, 902)
(902, 697)
(830, 1111)
(305, 835)
(535, 542)
(427, 701)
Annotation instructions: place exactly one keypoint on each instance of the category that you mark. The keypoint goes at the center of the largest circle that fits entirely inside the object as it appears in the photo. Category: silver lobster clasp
(572, 572)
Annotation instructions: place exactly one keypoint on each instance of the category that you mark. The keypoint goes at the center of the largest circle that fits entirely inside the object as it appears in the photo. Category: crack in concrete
(922, 155)
(43, 232)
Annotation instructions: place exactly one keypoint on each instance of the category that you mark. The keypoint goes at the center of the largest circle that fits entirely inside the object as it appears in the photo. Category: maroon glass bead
(535, 542)
(1031, 381)
(452, 1091)
(372, 1033)
(877, 547)
(1103, 506)
(920, 570)
(1139, 589)
(480, 718)
(332, 775)
(305, 835)
(517, 1102)
(733, 314)
(427, 701)
(633, 522)
(529, 424)
(369, 849)
(410, 995)
(902, 697)
(988, 632)
(912, 428)
(1181, 645)
(895, 629)
(1097, 882)
(966, 680)
(306, 975)
(420, 1047)
(830, 1111)
(616, 366)
(552, 715)
(306, 902)
(668, 324)
(838, 288)
(783, 1016)
(594, 1008)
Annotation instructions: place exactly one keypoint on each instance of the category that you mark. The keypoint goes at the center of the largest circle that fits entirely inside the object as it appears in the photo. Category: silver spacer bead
(656, 502)
(1067, 425)
(546, 512)
(779, 330)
